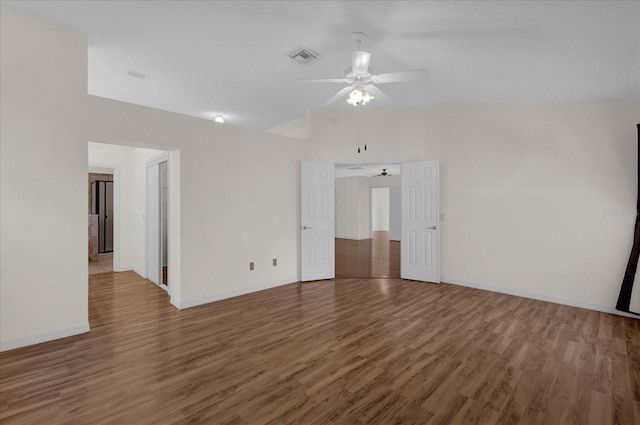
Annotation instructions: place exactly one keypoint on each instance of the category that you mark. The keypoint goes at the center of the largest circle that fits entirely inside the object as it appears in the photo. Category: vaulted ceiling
(204, 58)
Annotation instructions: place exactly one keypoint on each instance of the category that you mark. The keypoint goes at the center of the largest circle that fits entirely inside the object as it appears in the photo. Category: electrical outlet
(251, 266)
(275, 262)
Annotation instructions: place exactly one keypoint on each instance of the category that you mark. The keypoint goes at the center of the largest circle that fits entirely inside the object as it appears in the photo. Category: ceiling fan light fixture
(359, 97)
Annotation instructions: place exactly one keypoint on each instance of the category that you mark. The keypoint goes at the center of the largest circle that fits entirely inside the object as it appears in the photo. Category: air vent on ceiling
(302, 55)
(356, 168)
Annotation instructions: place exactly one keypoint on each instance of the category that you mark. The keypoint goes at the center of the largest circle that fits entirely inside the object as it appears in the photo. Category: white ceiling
(205, 58)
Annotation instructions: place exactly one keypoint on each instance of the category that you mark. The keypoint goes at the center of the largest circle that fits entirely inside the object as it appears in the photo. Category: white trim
(138, 272)
(49, 336)
(132, 269)
(239, 292)
(157, 160)
(164, 156)
(555, 300)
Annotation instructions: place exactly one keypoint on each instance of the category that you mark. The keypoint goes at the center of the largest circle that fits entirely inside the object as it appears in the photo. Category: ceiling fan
(384, 173)
(361, 82)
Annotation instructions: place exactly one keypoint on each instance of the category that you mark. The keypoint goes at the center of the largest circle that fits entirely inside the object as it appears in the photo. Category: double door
(419, 210)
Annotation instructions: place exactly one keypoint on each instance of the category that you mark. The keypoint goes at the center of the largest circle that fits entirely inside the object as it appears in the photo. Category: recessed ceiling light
(219, 119)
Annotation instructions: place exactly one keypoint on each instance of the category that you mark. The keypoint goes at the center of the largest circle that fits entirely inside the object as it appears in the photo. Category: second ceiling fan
(361, 82)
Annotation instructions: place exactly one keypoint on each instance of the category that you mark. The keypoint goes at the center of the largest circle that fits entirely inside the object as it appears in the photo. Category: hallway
(377, 257)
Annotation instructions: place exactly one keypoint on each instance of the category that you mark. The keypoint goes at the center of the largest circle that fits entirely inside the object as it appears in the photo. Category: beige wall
(384, 181)
(352, 208)
(43, 248)
(380, 209)
(524, 188)
(237, 192)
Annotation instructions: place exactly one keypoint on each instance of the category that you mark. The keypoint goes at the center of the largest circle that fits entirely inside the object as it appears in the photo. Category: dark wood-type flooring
(375, 257)
(349, 351)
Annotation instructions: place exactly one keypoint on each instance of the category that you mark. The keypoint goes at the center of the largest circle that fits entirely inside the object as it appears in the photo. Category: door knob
(306, 228)
(432, 228)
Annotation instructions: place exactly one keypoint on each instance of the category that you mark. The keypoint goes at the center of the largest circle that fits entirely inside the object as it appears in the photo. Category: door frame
(151, 162)
(115, 168)
(395, 162)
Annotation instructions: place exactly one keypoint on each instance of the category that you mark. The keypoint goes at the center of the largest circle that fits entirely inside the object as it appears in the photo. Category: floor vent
(302, 55)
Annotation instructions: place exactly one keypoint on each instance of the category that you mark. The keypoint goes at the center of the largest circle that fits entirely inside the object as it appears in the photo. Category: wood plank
(348, 351)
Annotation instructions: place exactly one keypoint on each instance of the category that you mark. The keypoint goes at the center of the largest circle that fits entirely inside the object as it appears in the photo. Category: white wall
(395, 213)
(524, 188)
(237, 189)
(384, 181)
(43, 248)
(380, 209)
(352, 208)
(238, 197)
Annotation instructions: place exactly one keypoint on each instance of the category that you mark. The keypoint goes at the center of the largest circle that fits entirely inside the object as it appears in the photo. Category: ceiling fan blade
(378, 95)
(360, 61)
(398, 77)
(338, 95)
(324, 80)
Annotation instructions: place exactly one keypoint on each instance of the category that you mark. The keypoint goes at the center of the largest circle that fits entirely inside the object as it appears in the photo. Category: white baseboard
(139, 272)
(49, 336)
(122, 269)
(193, 303)
(563, 301)
(131, 269)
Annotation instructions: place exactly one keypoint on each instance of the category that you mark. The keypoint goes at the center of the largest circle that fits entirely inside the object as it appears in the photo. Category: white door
(395, 213)
(317, 199)
(153, 223)
(419, 247)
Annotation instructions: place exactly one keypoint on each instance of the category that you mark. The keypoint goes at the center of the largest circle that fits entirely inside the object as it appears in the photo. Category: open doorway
(368, 208)
(420, 212)
(101, 219)
(128, 166)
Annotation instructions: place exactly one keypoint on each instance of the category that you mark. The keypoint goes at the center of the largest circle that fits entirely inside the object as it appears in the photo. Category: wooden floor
(349, 351)
(375, 257)
(103, 264)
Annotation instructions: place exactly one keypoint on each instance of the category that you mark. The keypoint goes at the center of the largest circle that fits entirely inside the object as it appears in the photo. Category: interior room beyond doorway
(368, 208)
(100, 196)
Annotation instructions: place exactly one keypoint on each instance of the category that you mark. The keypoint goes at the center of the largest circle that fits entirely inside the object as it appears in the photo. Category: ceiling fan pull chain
(365, 146)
